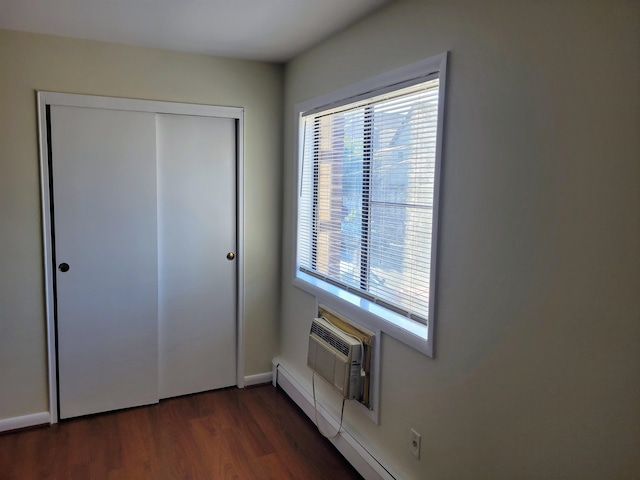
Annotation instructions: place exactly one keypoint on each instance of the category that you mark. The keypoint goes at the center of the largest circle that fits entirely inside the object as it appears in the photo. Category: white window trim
(369, 314)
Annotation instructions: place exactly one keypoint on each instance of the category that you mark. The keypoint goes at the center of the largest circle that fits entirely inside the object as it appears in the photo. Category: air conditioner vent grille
(331, 338)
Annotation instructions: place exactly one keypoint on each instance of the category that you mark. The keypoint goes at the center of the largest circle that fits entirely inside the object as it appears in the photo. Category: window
(367, 201)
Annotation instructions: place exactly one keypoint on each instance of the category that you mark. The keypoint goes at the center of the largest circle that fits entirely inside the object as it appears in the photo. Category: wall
(36, 62)
(537, 362)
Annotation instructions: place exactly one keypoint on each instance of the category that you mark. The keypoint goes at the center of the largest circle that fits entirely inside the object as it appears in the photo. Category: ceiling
(268, 30)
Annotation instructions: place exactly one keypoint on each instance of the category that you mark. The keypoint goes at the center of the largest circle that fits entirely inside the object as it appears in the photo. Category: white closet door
(103, 165)
(196, 231)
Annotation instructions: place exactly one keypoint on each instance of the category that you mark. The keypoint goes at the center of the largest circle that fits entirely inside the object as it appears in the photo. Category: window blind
(366, 197)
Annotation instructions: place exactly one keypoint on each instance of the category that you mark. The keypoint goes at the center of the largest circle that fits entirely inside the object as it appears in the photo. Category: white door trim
(46, 99)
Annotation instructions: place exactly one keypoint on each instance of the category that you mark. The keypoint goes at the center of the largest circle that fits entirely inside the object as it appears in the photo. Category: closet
(141, 235)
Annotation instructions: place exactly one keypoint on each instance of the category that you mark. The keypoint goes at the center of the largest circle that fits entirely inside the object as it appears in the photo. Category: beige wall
(537, 368)
(30, 62)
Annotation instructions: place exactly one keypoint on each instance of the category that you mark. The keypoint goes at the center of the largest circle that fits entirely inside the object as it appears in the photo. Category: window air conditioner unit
(336, 357)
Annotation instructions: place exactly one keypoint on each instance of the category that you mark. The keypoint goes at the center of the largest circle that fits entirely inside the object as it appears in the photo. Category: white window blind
(366, 197)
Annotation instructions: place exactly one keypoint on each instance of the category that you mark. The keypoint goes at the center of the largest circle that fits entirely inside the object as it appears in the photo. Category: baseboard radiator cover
(25, 421)
(347, 444)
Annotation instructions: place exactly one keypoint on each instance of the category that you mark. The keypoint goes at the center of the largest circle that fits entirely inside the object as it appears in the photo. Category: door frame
(46, 99)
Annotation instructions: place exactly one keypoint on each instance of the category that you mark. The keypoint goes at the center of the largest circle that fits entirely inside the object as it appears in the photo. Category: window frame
(358, 309)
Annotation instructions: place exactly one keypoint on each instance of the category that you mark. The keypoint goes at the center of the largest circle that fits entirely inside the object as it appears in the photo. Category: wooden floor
(254, 433)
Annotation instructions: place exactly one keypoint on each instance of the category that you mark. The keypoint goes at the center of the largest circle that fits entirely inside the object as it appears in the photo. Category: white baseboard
(25, 421)
(258, 379)
(365, 463)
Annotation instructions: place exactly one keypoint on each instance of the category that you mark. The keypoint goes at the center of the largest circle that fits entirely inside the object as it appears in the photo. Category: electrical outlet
(414, 443)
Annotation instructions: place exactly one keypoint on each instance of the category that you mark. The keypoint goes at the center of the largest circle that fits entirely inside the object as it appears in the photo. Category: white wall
(29, 62)
(537, 362)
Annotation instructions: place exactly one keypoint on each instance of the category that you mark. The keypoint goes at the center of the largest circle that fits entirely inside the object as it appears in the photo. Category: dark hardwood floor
(254, 433)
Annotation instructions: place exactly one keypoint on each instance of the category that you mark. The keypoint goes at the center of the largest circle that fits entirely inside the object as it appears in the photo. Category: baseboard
(258, 379)
(15, 423)
(363, 461)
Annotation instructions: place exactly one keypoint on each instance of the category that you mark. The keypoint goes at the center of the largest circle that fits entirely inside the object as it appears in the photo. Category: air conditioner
(336, 357)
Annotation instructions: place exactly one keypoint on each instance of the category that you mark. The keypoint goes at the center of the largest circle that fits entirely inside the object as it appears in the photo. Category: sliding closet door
(196, 253)
(103, 168)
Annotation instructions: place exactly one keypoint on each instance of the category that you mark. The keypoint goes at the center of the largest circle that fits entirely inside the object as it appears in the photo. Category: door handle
(231, 256)
(63, 267)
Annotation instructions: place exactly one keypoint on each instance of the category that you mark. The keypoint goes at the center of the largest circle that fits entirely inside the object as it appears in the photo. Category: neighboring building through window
(367, 200)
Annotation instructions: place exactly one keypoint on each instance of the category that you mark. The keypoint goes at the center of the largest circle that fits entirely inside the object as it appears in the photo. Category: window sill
(366, 313)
